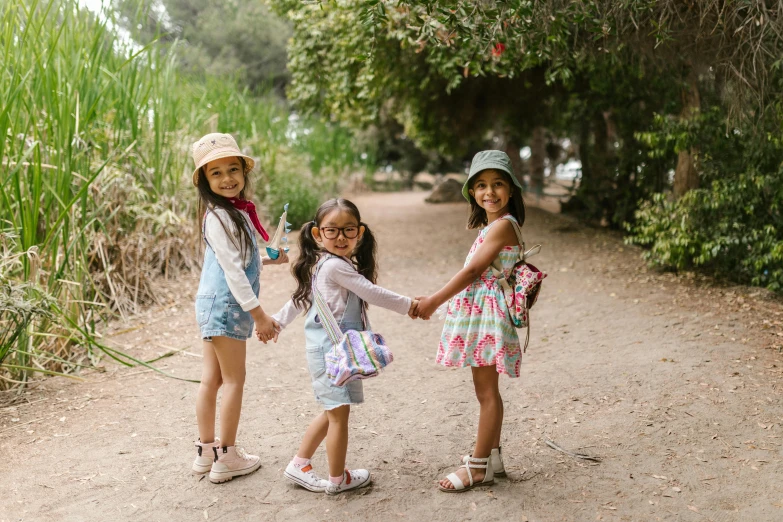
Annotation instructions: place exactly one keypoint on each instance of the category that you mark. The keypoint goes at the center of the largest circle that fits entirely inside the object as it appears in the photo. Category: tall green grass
(96, 202)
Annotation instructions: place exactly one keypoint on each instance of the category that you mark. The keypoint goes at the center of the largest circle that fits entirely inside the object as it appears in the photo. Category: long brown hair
(516, 205)
(363, 257)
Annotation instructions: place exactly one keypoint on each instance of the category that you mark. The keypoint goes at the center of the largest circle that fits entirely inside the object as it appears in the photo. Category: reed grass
(96, 203)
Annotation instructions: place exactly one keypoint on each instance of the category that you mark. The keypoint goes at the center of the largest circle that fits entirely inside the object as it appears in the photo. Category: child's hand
(426, 307)
(281, 259)
(267, 328)
(412, 312)
(278, 329)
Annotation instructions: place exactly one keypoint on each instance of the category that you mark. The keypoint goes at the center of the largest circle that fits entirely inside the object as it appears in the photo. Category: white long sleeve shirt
(335, 279)
(230, 258)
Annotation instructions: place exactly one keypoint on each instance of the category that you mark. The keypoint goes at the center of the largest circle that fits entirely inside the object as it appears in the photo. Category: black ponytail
(363, 257)
(302, 270)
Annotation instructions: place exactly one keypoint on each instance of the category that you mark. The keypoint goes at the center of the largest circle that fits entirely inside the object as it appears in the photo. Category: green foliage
(95, 168)
(303, 196)
(223, 38)
(733, 226)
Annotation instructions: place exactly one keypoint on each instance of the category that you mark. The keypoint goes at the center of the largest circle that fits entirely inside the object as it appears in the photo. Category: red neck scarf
(249, 207)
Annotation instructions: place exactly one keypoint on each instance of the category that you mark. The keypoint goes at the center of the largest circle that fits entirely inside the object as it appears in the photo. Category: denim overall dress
(217, 312)
(318, 344)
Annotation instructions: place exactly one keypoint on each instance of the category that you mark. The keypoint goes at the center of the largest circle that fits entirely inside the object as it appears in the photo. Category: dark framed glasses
(333, 232)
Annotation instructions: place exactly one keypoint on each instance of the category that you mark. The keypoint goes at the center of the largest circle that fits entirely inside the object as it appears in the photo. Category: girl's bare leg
(485, 382)
(315, 434)
(206, 399)
(231, 356)
(337, 439)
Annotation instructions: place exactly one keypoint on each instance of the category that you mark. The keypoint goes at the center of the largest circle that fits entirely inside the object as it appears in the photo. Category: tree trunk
(537, 155)
(686, 177)
(512, 149)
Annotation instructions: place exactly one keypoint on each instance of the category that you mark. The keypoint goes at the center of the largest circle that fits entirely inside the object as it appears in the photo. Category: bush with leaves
(733, 225)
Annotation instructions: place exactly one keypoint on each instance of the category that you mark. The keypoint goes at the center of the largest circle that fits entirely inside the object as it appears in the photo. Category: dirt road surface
(672, 381)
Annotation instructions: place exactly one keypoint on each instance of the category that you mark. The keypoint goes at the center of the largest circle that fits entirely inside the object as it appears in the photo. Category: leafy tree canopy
(223, 37)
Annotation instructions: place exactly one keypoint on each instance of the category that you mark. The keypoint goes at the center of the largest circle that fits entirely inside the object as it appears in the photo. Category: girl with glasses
(340, 250)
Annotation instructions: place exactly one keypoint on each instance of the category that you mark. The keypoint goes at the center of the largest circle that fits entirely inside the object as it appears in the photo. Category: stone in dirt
(450, 191)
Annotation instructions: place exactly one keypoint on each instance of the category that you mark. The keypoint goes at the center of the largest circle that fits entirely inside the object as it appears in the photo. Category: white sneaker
(230, 462)
(353, 479)
(206, 456)
(305, 476)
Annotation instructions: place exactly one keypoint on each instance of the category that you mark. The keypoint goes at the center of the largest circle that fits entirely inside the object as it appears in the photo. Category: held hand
(427, 306)
(278, 329)
(281, 259)
(266, 329)
(412, 311)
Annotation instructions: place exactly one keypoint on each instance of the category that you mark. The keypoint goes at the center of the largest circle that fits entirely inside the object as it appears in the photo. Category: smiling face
(226, 176)
(492, 192)
(339, 232)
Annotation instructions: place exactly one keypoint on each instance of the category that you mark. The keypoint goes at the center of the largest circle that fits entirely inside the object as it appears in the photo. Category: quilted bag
(355, 354)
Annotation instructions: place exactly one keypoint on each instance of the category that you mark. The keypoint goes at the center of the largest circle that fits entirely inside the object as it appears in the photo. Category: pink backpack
(522, 286)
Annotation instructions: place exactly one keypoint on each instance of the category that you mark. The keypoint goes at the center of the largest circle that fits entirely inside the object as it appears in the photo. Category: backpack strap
(497, 267)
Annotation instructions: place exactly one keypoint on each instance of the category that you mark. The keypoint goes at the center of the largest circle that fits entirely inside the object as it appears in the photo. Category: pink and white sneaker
(230, 462)
(352, 479)
(305, 476)
(205, 458)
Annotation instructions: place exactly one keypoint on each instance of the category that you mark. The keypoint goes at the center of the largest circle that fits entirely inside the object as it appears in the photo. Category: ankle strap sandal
(471, 463)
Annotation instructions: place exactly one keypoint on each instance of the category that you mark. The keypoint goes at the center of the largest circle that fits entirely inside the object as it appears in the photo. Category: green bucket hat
(489, 159)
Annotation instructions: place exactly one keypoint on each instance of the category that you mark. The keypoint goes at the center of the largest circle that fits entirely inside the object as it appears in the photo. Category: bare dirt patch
(674, 382)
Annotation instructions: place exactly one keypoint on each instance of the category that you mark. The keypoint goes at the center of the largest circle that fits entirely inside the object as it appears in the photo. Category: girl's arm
(287, 314)
(230, 260)
(344, 274)
(499, 236)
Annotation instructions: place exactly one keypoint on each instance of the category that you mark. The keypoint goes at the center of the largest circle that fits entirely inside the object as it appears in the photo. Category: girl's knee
(235, 380)
(236, 377)
(489, 396)
(212, 382)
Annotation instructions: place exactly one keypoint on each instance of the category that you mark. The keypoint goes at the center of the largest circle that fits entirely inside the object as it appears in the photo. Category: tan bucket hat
(215, 146)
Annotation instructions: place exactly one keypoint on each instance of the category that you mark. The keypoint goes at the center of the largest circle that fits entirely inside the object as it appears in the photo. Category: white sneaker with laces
(352, 479)
(230, 462)
(305, 476)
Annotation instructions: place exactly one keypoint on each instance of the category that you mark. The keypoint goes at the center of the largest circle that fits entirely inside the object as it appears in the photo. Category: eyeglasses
(332, 232)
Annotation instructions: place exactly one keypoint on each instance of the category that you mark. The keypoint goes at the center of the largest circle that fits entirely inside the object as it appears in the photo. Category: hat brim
(487, 166)
(219, 154)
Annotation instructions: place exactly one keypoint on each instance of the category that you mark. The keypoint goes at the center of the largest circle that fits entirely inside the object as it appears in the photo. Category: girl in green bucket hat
(478, 332)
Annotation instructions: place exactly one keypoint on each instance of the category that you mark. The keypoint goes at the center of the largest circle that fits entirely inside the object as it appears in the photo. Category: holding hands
(423, 307)
(267, 328)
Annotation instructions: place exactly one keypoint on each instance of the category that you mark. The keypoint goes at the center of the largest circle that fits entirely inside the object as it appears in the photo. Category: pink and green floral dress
(478, 331)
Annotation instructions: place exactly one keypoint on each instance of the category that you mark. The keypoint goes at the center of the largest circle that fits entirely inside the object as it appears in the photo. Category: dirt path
(671, 382)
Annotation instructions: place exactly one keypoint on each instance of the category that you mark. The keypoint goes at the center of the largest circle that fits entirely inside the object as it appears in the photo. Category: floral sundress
(478, 331)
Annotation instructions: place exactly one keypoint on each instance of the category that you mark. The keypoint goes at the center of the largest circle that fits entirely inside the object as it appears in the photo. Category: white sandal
(496, 460)
(472, 463)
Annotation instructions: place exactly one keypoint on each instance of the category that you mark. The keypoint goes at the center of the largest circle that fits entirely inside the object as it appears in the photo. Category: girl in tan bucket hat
(227, 305)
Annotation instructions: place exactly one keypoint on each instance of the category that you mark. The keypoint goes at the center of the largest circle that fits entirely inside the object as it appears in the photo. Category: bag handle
(497, 267)
(328, 320)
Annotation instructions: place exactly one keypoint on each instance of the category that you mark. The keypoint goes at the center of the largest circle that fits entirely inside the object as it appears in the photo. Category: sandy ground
(674, 382)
